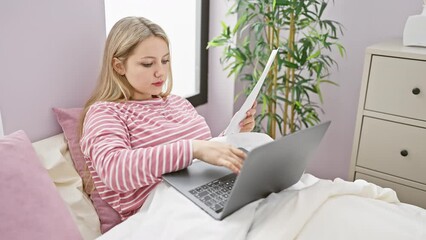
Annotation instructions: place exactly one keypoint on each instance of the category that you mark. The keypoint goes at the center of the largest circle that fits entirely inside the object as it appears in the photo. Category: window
(186, 24)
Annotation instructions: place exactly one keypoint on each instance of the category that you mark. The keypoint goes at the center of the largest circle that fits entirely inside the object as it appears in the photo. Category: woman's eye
(165, 61)
(146, 64)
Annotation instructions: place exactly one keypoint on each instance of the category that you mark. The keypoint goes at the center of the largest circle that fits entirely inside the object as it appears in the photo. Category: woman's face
(147, 68)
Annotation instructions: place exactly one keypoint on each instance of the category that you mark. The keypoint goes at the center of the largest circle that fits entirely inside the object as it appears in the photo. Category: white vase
(415, 29)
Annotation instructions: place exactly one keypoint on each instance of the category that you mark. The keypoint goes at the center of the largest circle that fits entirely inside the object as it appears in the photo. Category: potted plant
(306, 41)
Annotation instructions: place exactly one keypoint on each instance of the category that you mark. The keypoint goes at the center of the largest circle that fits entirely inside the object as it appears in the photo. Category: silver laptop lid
(274, 166)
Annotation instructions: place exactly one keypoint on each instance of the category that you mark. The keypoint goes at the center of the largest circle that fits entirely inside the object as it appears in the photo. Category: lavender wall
(219, 109)
(49, 56)
(50, 53)
(366, 22)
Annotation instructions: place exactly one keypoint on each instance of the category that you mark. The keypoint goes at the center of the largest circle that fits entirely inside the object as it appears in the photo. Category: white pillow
(55, 157)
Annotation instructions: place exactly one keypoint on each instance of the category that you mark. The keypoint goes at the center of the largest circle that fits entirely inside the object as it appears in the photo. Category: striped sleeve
(106, 143)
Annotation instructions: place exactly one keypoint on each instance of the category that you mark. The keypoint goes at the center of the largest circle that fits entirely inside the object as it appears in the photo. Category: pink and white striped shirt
(129, 145)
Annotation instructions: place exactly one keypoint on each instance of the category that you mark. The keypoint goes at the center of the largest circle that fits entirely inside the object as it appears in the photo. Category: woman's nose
(157, 74)
(159, 71)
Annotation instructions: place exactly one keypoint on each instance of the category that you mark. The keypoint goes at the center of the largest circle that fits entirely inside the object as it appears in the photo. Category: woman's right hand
(219, 154)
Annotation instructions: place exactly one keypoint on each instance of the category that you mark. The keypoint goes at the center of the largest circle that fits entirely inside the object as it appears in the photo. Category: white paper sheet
(234, 125)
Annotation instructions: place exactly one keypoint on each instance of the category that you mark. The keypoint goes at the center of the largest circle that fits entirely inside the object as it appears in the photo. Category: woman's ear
(118, 66)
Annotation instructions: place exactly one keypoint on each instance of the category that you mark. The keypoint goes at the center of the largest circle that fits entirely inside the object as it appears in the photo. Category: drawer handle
(404, 153)
(416, 91)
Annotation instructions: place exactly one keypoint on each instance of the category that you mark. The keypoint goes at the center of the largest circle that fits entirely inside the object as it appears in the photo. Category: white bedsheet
(311, 209)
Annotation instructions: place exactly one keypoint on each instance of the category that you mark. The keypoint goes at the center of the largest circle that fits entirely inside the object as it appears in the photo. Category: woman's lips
(158, 84)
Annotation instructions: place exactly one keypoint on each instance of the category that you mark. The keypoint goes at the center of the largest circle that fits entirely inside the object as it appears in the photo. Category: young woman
(134, 130)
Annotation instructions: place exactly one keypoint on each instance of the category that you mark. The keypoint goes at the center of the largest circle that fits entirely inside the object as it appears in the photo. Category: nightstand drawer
(397, 86)
(405, 194)
(383, 145)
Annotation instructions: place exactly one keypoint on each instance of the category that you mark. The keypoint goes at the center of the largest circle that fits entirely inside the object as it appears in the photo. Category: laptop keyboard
(215, 193)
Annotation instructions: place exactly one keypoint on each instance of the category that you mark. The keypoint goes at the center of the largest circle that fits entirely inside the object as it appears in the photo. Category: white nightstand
(390, 134)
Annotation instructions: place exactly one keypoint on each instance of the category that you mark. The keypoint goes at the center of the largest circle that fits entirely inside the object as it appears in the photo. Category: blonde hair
(123, 38)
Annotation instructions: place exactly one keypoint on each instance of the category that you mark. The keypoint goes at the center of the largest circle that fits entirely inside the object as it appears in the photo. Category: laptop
(268, 168)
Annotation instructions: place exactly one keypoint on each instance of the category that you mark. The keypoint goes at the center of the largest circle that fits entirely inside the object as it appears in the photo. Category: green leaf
(217, 42)
(291, 65)
(315, 55)
(328, 81)
(279, 2)
(342, 50)
(323, 6)
(242, 20)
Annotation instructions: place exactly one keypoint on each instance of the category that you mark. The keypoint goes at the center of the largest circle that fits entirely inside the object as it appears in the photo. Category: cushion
(54, 155)
(68, 119)
(31, 208)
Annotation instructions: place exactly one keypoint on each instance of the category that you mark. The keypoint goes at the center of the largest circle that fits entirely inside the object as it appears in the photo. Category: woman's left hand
(248, 123)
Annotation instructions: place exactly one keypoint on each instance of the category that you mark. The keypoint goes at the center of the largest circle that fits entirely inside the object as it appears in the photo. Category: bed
(54, 196)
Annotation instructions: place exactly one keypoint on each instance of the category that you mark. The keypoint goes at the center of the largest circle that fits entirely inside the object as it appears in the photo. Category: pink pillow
(69, 119)
(31, 207)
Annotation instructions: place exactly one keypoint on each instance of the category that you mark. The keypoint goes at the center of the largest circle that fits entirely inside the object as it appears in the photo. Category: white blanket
(311, 209)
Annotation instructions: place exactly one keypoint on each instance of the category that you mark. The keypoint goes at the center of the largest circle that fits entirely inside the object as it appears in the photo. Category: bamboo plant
(291, 97)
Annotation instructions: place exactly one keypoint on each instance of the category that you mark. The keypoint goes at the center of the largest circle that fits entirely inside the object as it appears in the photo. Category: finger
(247, 128)
(246, 122)
(229, 164)
(236, 161)
(251, 112)
(239, 154)
(236, 164)
(236, 157)
(250, 126)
